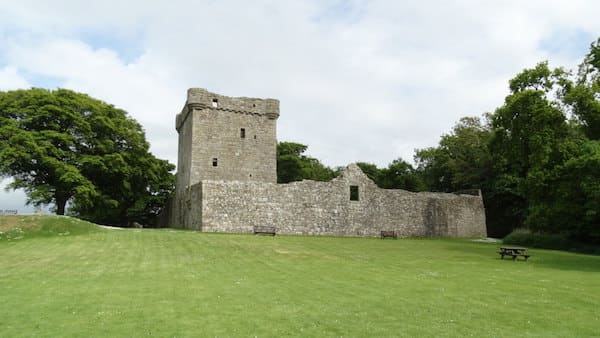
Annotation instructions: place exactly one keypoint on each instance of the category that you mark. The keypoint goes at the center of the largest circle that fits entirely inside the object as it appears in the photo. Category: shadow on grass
(566, 260)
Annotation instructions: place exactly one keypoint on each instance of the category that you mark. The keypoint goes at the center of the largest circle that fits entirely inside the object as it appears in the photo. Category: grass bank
(134, 282)
(20, 227)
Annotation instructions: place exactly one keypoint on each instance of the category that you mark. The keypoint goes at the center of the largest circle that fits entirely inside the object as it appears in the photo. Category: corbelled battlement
(200, 98)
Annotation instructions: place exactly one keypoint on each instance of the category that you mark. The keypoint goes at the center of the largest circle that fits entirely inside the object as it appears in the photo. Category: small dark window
(243, 133)
(354, 192)
(255, 137)
(215, 103)
(215, 162)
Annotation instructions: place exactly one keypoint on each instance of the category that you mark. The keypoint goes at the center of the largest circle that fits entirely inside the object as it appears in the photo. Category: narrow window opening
(354, 192)
(254, 105)
(243, 133)
(255, 137)
(215, 162)
(215, 103)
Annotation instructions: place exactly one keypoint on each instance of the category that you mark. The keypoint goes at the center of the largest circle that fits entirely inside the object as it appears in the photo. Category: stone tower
(226, 138)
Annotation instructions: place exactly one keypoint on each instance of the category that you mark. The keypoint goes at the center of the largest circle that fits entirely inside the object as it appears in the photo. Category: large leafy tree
(528, 133)
(584, 95)
(460, 161)
(61, 146)
(293, 165)
(399, 174)
(572, 203)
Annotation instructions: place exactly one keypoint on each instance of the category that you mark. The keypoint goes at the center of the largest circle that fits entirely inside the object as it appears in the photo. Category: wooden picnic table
(514, 252)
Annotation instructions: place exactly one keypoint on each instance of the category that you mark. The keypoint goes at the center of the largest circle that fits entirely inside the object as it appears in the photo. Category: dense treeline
(536, 158)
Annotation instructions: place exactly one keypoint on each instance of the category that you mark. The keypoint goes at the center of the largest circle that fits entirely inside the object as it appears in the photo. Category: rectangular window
(215, 162)
(354, 192)
(243, 133)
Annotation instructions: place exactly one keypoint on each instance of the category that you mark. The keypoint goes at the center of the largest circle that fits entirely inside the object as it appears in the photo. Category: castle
(227, 182)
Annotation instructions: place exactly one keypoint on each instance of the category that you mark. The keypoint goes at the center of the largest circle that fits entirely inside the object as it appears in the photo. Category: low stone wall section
(325, 208)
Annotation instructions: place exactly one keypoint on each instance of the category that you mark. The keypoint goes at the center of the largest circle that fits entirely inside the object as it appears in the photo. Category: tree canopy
(461, 161)
(66, 147)
(399, 174)
(535, 157)
(293, 165)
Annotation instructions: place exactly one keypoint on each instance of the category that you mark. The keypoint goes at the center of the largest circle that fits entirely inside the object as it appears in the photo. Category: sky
(367, 81)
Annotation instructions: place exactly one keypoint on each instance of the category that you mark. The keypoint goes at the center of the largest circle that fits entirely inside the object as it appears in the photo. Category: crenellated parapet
(200, 98)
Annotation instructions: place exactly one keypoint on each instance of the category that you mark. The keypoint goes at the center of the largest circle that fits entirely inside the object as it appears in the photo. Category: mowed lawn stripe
(183, 283)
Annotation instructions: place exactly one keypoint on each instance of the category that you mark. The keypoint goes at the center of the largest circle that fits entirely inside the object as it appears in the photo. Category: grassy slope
(183, 283)
(19, 227)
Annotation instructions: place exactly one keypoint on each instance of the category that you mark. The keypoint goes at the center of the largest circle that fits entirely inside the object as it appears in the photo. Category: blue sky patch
(340, 10)
(573, 43)
(43, 81)
(128, 48)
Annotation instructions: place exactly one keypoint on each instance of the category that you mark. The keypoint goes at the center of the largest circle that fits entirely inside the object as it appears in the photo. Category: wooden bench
(392, 234)
(265, 230)
(513, 252)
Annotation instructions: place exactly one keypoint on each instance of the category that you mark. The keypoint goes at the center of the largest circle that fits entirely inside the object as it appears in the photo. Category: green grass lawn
(95, 282)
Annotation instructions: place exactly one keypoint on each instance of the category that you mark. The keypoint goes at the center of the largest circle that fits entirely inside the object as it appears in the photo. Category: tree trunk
(60, 205)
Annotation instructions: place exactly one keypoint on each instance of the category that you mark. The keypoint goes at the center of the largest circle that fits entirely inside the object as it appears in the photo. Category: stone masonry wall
(220, 138)
(216, 136)
(226, 138)
(184, 160)
(226, 182)
(325, 208)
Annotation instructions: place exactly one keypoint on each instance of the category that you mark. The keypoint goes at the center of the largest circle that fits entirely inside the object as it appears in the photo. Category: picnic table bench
(265, 230)
(392, 234)
(513, 252)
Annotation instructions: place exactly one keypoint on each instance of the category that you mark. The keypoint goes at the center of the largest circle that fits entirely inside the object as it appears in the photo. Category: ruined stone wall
(227, 173)
(325, 208)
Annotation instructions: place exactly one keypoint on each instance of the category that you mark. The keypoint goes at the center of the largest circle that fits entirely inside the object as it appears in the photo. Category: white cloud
(148, 95)
(10, 79)
(367, 81)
